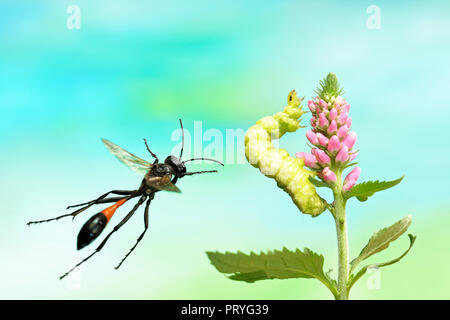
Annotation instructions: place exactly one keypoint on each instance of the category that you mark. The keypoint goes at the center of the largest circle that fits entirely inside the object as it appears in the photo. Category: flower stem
(342, 238)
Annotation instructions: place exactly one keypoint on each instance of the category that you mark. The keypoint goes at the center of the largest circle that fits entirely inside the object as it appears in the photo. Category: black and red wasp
(157, 177)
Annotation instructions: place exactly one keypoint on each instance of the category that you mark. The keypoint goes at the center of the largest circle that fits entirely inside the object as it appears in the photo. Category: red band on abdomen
(108, 212)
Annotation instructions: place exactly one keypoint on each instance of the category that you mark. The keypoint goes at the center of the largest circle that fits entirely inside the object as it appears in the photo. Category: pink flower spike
(321, 157)
(332, 128)
(323, 121)
(312, 137)
(334, 144)
(323, 141)
(342, 155)
(328, 175)
(333, 114)
(350, 140)
(351, 178)
(311, 105)
(309, 160)
(342, 132)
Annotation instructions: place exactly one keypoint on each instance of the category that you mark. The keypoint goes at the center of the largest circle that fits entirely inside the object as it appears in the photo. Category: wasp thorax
(161, 170)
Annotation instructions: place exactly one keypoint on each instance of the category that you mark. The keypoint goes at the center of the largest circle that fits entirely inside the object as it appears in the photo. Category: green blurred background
(135, 67)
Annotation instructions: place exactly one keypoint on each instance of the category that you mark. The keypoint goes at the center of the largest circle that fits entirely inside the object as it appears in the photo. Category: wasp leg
(119, 192)
(76, 212)
(117, 227)
(153, 155)
(143, 233)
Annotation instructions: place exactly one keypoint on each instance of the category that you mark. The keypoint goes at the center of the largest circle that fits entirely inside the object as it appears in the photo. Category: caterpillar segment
(276, 163)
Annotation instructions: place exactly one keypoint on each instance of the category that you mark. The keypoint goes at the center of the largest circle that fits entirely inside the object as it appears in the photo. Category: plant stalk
(342, 238)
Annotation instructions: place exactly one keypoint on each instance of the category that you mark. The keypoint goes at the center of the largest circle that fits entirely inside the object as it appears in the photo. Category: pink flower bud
(309, 160)
(346, 108)
(321, 157)
(334, 144)
(349, 185)
(351, 178)
(312, 121)
(350, 140)
(323, 141)
(301, 154)
(328, 175)
(342, 132)
(354, 174)
(349, 122)
(342, 155)
(352, 156)
(342, 118)
(311, 105)
(333, 114)
(332, 128)
(339, 101)
(312, 137)
(323, 104)
(323, 121)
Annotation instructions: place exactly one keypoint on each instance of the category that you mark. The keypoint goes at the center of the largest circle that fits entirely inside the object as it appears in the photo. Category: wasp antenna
(208, 159)
(197, 172)
(182, 137)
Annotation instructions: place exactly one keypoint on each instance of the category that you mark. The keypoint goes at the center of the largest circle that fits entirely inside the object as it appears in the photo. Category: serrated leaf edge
(326, 280)
(353, 193)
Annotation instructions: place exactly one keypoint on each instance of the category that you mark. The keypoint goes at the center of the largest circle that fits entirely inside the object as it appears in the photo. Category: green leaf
(354, 278)
(318, 183)
(275, 264)
(362, 191)
(381, 240)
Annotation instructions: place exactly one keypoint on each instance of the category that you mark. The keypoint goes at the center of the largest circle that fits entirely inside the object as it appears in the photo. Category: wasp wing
(136, 164)
(163, 183)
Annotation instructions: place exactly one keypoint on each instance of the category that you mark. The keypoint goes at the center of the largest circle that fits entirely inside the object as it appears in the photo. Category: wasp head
(177, 164)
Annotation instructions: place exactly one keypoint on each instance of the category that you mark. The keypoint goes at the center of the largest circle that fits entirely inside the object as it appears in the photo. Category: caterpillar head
(293, 100)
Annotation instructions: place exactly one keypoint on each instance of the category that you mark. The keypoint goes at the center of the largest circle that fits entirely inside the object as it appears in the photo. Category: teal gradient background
(135, 67)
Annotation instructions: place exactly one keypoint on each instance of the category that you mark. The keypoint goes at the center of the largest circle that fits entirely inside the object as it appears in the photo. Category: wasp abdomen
(91, 230)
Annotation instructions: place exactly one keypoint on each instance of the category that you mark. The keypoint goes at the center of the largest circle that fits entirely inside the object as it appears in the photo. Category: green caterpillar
(288, 172)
